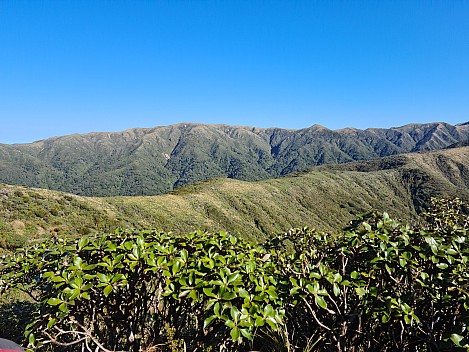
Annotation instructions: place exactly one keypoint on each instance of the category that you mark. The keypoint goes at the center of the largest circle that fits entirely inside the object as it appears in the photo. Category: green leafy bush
(379, 285)
(382, 285)
(118, 292)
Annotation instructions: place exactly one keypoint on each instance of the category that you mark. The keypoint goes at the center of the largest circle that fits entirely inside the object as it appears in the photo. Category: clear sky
(79, 66)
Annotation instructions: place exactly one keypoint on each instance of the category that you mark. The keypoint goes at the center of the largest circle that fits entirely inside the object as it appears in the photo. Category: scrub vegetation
(378, 285)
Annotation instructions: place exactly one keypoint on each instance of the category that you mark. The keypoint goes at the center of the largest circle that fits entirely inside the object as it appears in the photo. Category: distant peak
(318, 127)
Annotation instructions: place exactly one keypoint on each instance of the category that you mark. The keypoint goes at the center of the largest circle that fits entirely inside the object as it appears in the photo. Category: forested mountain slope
(326, 198)
(156, 160)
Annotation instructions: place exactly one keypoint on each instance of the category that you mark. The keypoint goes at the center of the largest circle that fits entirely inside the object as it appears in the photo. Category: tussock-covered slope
(326, 198)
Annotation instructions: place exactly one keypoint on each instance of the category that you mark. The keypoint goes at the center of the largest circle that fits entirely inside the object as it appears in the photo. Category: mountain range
(157, 160)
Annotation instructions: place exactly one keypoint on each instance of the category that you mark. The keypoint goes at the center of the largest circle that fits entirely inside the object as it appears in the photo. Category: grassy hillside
(157, 160)
(29, 213)
(434, 173)
(325, 198)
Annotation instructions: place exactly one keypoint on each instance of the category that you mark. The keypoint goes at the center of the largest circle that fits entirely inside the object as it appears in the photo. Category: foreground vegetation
(379, 285)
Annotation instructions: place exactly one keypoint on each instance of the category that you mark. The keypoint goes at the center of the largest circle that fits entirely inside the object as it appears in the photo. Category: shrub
(382, 285)
(120, 291)
(379, 285)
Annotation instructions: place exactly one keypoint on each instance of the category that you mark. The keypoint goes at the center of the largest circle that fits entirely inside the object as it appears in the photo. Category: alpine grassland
(378, 285)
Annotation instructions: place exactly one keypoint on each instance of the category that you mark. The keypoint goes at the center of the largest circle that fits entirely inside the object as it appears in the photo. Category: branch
(55, 342)
(86, 335)
(314, 316)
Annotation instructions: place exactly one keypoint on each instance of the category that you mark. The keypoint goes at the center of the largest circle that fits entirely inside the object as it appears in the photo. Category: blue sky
(80, 66)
